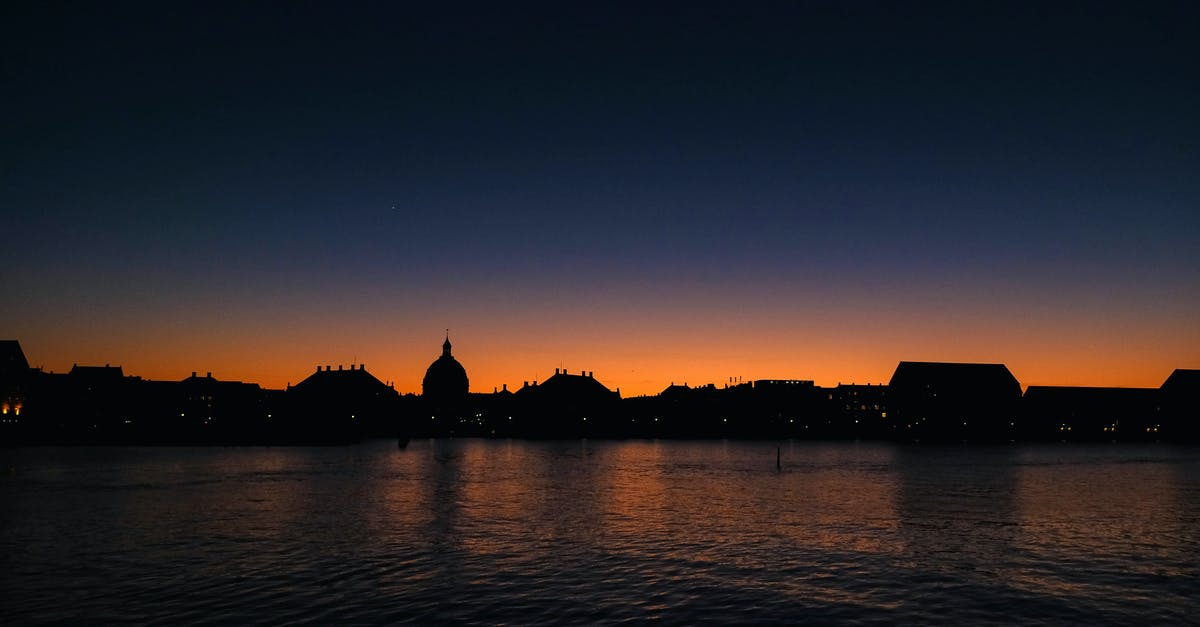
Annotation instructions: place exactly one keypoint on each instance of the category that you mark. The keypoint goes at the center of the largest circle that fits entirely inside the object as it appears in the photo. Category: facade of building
(955, 402)
(341, 405)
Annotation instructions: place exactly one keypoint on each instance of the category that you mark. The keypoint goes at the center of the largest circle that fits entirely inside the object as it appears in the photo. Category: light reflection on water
(584, 531)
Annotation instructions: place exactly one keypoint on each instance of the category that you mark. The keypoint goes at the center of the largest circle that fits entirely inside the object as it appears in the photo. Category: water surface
(477, 531)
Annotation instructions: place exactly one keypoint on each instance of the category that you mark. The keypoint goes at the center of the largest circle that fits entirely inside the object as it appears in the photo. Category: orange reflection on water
(726, 496)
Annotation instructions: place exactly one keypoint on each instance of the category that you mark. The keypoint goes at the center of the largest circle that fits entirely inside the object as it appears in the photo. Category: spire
(446, 345)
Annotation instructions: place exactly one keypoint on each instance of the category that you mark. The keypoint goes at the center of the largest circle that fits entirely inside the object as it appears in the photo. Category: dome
(445, 379)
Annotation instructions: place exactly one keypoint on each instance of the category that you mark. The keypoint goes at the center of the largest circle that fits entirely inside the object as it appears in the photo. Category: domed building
(445, 380)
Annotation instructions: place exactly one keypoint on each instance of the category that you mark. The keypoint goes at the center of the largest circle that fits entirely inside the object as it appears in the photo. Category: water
(491, 532)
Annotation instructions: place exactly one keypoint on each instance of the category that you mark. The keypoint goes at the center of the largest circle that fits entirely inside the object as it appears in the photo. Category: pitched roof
(575, 386)
(1182, 379)
(12, 358)
(948, 375)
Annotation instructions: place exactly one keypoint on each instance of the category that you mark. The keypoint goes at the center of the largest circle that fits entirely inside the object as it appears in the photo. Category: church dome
(445, 379)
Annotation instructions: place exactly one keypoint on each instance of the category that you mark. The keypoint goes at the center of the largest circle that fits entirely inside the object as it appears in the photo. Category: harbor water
(602, 532)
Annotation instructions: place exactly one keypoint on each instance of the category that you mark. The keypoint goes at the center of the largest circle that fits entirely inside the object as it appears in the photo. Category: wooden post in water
(778, 465)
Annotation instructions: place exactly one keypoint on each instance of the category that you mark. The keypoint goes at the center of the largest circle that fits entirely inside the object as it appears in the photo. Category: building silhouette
(861, 411)
(924, 401)
(340, 405)
(567, 405)
(1090, 414)
(14, 389)
(444, 393)
(939, 401)
(1180, 406)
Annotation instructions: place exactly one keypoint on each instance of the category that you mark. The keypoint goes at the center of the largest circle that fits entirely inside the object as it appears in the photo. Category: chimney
(209, 375)
(339, 367)
(505, 387)
(193, 374)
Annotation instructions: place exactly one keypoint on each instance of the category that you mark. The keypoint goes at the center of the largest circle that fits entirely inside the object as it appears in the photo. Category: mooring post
(778, 464)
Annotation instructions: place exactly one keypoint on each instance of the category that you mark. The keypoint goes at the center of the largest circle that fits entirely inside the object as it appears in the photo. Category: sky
(655, 192)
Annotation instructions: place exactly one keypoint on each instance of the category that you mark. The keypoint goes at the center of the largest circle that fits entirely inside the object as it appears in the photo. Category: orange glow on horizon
(635, 371)
(640, 343)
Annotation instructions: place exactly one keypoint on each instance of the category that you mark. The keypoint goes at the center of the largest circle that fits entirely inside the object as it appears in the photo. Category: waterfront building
(954, 401)
(568, 405)
(341, 405)
(1063, 413)
(1180, 406)
(444, 392)
(14, 387)
(860, 411)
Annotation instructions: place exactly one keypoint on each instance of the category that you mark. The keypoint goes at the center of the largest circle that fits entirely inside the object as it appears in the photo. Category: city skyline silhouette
(658, 193)
(567, 313)
(922, 402)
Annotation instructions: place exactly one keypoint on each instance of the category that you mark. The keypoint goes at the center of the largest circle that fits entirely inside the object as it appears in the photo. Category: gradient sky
(677, 193)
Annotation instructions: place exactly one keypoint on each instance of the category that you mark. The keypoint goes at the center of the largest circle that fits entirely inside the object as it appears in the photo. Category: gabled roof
(1181, 380)
(674, 390)
(951, 376)
(326, 379)
(97, 373)
(208, 381)
(574, 386)
(12, 358)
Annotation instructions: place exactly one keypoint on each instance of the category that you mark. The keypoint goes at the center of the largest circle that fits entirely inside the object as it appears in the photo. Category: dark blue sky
(220, 164)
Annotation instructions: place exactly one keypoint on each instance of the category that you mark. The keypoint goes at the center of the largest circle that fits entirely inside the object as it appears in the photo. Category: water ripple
(498, 533)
